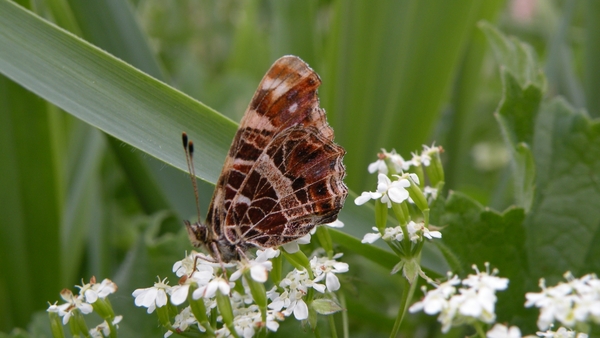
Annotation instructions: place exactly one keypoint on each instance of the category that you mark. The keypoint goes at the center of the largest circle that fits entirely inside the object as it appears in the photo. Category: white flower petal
(91, 296)
(179, 294)
(161, 298)
(336, 224)
(301, 310)
(363, 198)
(371, 238)
(259, 273)
(236, 275)
(397, 195)
(291, 247)
(332, 282)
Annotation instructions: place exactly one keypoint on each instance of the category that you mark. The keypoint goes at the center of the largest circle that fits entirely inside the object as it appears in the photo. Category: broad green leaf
(522, 93)
(516, 56)
(30, 194)
(476, 235)
(562, 226)
(516, 115)
(109, 94)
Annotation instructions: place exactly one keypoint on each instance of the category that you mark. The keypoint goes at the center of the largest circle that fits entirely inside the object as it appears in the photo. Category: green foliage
(76, 202)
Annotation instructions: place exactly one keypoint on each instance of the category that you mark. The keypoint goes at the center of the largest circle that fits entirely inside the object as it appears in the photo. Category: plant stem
(408, 291)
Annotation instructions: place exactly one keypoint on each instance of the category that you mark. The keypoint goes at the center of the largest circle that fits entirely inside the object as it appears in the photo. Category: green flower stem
(381, 212)
(419, 171)
(276, 272)
(392, 244)
(325, 240)
(80, 323)
(199, 310)
(56, 325)
(224, 305)
(435, 170)
(401, 212)
(332, 326)
(479, 328)
(113, 329)
(417, 195)
(163, 316)
(345, 321)
(407, 295)
(103, 308)
(299, 260)
(259, 294)
(406, 244)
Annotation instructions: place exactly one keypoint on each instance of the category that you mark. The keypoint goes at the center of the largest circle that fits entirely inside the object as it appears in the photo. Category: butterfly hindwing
(283, 173)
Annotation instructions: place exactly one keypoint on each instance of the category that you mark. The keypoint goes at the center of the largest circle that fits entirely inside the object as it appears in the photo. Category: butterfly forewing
(283, 173)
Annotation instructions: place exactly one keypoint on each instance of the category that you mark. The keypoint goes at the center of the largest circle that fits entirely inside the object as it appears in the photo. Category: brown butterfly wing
(283, 174)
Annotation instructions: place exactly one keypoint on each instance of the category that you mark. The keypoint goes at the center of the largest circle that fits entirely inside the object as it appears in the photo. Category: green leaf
(325, 306)
(522, 93)
(563, 227)
(31, 187)
(516, 115)
(476, 235)
(515, 56)
(109, 94)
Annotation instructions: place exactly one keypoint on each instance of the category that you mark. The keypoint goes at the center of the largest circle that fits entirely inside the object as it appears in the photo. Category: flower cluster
(242, 301)
(576, 301)
(416, 232)
(502, 331)
(474, 302)
(91, 297)
(402, 191)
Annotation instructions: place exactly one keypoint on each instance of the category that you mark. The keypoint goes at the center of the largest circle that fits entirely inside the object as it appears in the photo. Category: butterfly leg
(215, 252)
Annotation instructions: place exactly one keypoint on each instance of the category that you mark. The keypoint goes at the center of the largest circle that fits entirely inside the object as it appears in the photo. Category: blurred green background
(78, 199)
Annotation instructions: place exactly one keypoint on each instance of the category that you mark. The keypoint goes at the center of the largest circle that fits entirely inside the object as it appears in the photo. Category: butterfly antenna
(188, 147)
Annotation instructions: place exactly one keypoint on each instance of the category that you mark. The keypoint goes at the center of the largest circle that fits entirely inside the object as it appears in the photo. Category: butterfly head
(198, 233)
(220, 249)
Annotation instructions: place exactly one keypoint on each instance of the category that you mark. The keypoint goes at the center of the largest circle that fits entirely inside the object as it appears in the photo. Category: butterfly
(283, 174)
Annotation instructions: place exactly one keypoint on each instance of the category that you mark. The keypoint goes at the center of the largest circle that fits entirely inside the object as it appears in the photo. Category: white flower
(392, 191)
(103, 330)
(476, 300)
(259, 267)
(371, 237)
(183, 321)
(152, 297)
(502, 331)
(210, 290)
(436, 300)
(92, 291)
(416, 160)
(324, 268)
(185, 266)
(578, 300)
(561, 333)
(387, 190)
(179, 293)
(378, 166)
(427, 152)
(295, 286)
(367, 196)
(72, 303)
(430, 193)
(399, 163)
